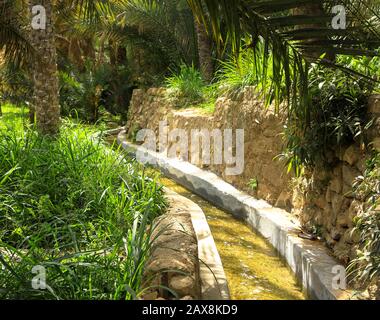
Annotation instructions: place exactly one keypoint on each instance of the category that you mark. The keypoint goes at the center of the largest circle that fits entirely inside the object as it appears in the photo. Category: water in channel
(253, 268)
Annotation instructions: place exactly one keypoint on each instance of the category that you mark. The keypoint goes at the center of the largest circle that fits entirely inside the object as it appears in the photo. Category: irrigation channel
(253, 268)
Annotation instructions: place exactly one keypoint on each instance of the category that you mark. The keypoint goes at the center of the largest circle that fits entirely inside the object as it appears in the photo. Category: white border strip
(309, 260)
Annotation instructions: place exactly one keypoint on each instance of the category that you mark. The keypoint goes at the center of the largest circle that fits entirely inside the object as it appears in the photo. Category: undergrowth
(78, 211)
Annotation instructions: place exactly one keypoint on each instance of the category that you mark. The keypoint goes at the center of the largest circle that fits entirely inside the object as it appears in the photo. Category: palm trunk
(204, 52)
(45, 74)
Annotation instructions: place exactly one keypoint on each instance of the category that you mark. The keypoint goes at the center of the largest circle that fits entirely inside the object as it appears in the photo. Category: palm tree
(35, 49)
(204, 51)
(45, 74)
(292, 38)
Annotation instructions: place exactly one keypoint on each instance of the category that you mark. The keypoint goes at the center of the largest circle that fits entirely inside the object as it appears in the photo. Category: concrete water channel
(252, 266)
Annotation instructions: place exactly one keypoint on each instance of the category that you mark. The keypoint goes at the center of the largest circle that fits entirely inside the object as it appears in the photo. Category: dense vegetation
(70, 205)
(75, 208)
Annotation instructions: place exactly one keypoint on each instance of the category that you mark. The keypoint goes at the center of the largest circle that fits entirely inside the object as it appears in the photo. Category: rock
(336, 184)
(335, 234)
(342, 251)
(337, 170)
(360, 165)
(187, 298)
(376, 144)
(351, 155)
(355, 208)
(321, 202)
(150, 296)
(339, 152)
(349, 174)
(330, 242)
(374, 104)
(336, 202)
(374, 130)
(343, 220)
(284, 201)
(347, 190)
(318, 218)
(183, 285)
(348, 237)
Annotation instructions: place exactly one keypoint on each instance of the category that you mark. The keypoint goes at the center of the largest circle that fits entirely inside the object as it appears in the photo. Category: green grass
(13, 117)
(75, 208)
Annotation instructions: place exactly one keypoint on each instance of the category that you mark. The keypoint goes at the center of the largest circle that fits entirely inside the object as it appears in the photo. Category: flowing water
(253, 268)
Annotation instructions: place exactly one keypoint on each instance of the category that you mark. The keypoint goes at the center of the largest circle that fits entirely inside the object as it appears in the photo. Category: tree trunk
(45, 73)
(204, 51)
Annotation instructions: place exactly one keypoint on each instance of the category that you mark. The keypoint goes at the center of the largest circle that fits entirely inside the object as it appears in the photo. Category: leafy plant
(338, 117)
(366, 266)
(253, 184)
(73, 207)
(187, 86)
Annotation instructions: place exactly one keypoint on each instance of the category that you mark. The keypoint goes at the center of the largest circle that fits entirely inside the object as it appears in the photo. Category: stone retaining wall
(173, 263)
(321, 200)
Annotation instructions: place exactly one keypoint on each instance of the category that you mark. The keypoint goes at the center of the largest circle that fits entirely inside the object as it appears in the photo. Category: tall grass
(75, 209)
(186, 85)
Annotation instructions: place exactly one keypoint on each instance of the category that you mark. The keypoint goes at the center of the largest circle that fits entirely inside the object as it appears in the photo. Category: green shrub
(249, 68)
(187, 86)
(336, 117)
(77, 209)
(240, 71)
(366, 266)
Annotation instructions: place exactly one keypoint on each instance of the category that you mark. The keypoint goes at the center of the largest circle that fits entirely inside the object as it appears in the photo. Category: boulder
(352, 155)
(349, 174)
(183, 285)
(374, 104)
(336, 184)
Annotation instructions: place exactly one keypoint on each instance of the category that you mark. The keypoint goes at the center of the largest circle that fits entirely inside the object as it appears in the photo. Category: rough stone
(321, 202)
(150, 296)
(355, 208)
(374, 104)
(351, 155)
(336, 202)
(343, 220)
(183, 285)
(376, 144)
(329, 193)
(349, 174)
(284, 201)
(336, 184)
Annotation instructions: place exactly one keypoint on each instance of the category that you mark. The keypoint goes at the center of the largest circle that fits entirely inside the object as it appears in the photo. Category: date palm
(293, 37)
(36, 49)
(45, 74)
(204, 51)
